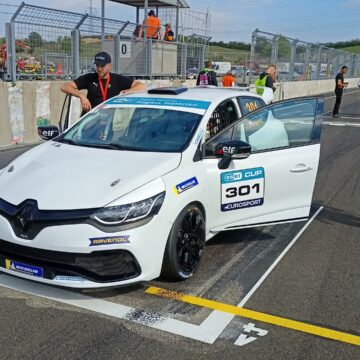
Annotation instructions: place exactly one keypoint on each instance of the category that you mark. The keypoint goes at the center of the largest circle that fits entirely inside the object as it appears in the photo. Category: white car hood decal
(73, 177)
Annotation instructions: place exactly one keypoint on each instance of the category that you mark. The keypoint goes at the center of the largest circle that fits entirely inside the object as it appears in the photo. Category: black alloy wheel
(185, 245)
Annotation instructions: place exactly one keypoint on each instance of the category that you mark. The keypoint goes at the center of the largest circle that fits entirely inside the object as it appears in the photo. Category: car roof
(211, 94)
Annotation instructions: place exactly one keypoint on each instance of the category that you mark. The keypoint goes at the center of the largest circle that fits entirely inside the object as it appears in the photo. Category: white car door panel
(276, 182)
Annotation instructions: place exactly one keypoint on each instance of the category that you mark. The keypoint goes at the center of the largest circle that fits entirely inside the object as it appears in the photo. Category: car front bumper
(82, 256)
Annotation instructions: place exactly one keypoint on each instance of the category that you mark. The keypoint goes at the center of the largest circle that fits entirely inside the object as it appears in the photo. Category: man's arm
(71, 89)
(270, 83)
(340, 83)
(135, 86)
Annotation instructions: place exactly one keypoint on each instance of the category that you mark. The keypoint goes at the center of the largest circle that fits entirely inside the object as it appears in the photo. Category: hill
(353, 49)
(235, 56)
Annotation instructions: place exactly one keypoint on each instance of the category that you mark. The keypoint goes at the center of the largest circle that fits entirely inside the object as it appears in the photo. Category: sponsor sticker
(193, 104)
(199, 136)
(241, 189)
(112, 240)
(186, 185)
(69, 278)
(24, 268)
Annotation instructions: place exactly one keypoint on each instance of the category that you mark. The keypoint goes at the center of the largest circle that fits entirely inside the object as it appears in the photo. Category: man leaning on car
(101, 85)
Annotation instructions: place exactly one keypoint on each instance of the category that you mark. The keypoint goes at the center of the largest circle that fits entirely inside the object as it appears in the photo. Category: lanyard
(104, 91)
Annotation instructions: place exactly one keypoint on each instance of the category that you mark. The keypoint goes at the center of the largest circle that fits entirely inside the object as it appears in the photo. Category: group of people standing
(152, 25)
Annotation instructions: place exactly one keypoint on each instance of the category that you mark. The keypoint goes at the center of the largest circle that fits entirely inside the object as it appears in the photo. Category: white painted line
(345, 93)
(153, 320)
(271, 268)
(207, 332)
(334, 123)
(343, 117)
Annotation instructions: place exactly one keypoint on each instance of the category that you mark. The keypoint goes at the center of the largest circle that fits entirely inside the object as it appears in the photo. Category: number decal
(243, 188)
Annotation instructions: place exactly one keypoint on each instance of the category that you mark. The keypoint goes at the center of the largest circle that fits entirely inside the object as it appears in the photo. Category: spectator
(228, 80)
(101, 85)
(266, 79)
(152, 24)
(207, 76)
(340, 85)
(169, 34)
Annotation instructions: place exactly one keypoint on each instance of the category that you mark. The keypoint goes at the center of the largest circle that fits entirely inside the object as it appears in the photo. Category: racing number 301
(241, 190)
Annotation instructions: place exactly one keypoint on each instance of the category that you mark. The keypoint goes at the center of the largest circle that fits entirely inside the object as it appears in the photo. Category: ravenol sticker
(199, 136)
(124, 239)
(193, 104)
(24, 268)
(69, 278)
(186, 185)
(242, 188)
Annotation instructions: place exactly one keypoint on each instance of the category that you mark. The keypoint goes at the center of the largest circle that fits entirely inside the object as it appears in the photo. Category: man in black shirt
(339, 89)
(101, 85)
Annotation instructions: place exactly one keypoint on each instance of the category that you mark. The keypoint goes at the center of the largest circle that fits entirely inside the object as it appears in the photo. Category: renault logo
(26, 214)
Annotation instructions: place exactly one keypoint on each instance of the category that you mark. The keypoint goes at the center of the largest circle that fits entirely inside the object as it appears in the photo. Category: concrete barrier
(27, 104)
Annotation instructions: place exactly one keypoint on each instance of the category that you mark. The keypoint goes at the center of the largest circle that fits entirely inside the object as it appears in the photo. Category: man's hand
(136, 86)
(85, 103)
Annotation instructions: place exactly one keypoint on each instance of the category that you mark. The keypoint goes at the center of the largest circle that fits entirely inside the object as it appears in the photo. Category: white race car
(135, 188)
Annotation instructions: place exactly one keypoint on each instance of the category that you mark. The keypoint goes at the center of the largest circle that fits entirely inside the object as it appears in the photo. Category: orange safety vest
(228, 80)
(153, 24)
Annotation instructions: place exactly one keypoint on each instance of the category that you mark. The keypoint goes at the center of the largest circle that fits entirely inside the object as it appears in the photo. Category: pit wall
(26, 104)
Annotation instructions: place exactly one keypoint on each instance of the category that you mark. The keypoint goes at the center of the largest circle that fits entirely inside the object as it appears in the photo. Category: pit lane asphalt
(316, 282)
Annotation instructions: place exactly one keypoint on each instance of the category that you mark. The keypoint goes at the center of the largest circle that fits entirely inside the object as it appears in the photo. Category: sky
(234, 20)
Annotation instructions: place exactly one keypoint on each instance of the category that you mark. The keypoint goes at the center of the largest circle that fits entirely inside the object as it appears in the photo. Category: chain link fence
(298, 60)
(49, 44)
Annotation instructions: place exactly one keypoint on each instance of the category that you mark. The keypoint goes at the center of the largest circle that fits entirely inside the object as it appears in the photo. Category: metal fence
(45, 43)
(298, 60)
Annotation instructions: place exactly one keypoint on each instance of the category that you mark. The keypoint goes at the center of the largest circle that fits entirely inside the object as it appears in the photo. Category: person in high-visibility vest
(266, 79)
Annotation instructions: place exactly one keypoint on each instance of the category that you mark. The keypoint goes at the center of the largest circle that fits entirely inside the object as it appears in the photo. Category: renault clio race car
(135, 188)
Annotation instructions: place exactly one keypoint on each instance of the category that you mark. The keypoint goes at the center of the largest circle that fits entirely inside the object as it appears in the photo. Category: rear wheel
(185, 245)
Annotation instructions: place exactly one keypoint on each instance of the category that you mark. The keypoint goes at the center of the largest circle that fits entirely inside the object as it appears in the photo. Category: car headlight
(124, 214)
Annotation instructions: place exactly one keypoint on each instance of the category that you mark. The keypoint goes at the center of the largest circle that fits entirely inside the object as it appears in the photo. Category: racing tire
(185, 245)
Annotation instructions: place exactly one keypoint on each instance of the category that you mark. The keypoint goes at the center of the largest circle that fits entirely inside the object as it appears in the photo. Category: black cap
(151, 13)
(102, 58)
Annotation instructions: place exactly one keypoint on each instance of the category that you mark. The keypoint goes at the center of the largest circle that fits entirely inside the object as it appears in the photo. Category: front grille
(27, 220)
(98, 266)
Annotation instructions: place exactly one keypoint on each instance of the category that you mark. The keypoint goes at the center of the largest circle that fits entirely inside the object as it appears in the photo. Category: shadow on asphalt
(332, 215)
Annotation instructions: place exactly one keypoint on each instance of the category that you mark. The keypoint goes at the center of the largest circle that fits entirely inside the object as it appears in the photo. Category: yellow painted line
(255, 315)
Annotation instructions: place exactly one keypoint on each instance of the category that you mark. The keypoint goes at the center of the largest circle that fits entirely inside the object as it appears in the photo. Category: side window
(281, 125)
(249, 104)
(223, 115)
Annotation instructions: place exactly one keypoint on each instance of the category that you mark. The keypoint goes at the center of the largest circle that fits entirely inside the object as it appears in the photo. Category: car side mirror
(231, 150)
(48, 132)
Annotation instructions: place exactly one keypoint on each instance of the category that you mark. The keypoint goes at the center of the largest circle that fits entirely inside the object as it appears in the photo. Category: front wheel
(185, 245)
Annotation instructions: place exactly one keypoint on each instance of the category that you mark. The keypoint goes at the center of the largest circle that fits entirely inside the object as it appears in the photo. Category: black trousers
(338, 93)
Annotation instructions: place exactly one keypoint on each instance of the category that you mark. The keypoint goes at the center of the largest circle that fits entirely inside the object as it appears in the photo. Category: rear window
(249, 104)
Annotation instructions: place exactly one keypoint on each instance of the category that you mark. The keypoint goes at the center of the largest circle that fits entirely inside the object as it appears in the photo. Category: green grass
(218, 53)
(352, 49)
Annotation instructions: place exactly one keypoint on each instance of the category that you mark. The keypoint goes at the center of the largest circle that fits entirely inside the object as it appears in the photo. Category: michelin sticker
(24, 268)
(242, 189)
(112, 240)
(186, 185)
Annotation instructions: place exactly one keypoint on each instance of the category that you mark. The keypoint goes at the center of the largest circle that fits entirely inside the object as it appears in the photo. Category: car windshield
(134, 128)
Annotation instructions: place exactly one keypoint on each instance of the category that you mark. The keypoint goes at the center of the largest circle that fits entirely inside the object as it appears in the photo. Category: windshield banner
(193, 104)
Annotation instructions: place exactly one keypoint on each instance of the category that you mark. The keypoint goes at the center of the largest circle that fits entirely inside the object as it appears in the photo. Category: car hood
(61, 176)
